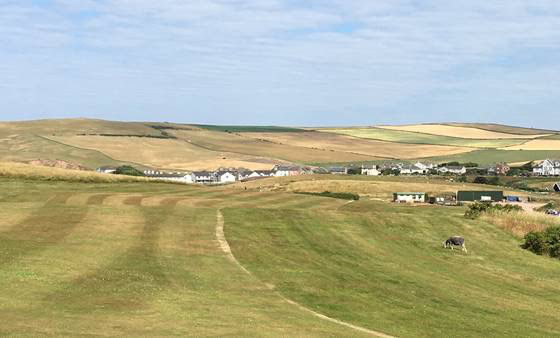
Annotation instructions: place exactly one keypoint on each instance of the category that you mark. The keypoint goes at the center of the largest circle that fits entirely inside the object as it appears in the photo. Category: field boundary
(224, 246)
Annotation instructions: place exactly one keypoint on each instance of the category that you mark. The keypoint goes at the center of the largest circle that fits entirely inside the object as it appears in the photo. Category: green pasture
(421, 138)
(248, 129)
(142, 259)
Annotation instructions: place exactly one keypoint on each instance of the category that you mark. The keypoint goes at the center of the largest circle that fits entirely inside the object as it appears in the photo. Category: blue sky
(282, 62)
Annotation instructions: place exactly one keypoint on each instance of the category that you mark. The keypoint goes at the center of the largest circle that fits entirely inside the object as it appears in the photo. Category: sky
(282, 62)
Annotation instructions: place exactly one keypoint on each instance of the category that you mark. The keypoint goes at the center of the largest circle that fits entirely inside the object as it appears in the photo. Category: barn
(472, 196)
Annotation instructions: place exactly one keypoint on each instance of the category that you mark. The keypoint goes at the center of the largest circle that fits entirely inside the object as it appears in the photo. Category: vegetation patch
(476, 209)
(249, 129)
(339, 195)
(545, 242)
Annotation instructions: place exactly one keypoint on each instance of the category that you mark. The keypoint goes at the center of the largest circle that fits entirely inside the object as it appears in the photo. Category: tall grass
(520, 223)
(31, 172)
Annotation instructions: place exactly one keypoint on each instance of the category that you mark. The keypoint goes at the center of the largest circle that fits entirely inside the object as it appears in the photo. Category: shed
(471, 196)
(410, 197)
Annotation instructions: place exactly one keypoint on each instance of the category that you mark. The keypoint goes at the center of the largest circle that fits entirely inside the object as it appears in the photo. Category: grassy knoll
(381, 266)
(421, 138)
(490, 156)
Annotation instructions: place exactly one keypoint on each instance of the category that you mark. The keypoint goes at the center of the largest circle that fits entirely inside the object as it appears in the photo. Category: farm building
(472, 196)
(556, 187)
(410, 197)
(370, 170)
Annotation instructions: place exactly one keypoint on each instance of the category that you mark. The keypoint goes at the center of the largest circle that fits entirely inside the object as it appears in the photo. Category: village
(547, 167)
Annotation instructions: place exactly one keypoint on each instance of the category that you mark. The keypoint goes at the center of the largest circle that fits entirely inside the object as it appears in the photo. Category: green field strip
(44, 227)
(134, 200)
(385, 269)
(97, 199)
(411, 137)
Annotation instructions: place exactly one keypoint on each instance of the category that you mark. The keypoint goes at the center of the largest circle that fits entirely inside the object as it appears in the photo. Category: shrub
(339, 195)
(535, 242)
(480, 180)
(476, 209)
(129, 171)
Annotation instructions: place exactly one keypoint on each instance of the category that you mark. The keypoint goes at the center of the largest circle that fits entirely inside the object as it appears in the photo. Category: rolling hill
(93, 143)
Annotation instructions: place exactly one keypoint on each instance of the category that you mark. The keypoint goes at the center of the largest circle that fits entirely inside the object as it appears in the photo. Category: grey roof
(164, 175)
(203, 173)
(287, 168)
(265, 172)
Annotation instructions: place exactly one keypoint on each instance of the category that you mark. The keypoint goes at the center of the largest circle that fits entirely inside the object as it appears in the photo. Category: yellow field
(540, 144)
(164, 153)
(248, 143)
(463, 132)
(342, 143)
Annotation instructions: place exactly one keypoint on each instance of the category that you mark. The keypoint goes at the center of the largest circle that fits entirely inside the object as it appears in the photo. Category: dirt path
(224, 245)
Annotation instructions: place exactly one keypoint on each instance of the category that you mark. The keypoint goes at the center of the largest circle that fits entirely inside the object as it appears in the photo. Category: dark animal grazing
(455, 241)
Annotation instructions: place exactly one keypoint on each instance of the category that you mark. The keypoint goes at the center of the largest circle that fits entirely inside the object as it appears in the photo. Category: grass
(421, 138)
(131, 259)
(539, 144)
(456, 131)
(519, 223)
(380, 266)
(30, 172)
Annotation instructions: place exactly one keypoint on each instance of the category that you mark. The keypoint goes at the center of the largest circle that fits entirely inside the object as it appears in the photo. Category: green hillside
(130, 259)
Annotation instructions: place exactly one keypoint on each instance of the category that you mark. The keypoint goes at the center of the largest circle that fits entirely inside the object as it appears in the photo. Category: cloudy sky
(284, 62)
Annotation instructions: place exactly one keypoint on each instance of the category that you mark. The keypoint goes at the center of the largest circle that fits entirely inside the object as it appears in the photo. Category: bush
(339, 195)
(480, 180)
(544, 242)
(476, 209)
(535, 242)
(128, 170)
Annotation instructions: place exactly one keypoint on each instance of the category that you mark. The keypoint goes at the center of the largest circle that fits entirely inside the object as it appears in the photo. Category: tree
(480, 180)
(128, 170)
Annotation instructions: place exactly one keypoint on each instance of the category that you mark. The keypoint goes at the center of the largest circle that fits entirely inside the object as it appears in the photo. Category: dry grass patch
(464, 132)
(540, 144)
(252, 144)
(520, 223)
(26, 171)
(342, 143)
(164, 153)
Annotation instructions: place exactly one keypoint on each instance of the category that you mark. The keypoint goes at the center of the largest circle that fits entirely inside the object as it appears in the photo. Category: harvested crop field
(421, 138)
(164, 153)
(540, 144)
(337, 142)
(463, 132)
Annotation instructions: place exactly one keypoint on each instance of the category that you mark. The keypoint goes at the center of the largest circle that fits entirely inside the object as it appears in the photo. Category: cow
(455, 240)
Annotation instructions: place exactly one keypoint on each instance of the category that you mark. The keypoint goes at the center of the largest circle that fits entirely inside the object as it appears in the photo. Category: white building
(370, 170)
(181, 177)
(409, 197)
(411, 169)
(225, 177)
(457, 170)
(548, 168)
(203, 177)
(106, 170)
(425, 166)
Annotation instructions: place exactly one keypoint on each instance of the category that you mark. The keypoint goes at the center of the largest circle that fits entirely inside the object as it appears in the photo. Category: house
(370, 170)
(410, 197)
(282, 170)
(264, 173)
(106, 170)
(457, 170)
(409, 169)
(501, 168)
(556, 187)
(247, 174)
(472, 196)
(203, 177)
(547, 168)
(338, 170)
(225, 177)
(425, 166)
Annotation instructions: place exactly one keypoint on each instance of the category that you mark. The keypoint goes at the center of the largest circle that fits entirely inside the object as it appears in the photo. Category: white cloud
(280, 57)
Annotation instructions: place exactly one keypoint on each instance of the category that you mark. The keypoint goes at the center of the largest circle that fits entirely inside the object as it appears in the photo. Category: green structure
(472, 196)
